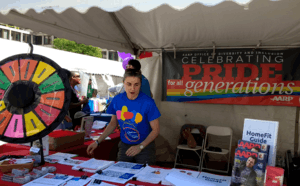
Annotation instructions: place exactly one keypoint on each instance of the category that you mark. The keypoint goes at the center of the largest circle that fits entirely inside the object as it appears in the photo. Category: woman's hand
(91, 148)
(134, 150)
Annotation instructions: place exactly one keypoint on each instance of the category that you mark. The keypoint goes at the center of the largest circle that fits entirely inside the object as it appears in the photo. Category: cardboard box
(66, 140)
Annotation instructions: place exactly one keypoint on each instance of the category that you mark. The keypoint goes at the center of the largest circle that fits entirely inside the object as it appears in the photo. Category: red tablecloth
(110, 146)
(65, 169)
(107, 150)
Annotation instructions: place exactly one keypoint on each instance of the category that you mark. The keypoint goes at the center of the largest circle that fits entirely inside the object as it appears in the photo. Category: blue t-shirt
(134, 116)
(145, 87)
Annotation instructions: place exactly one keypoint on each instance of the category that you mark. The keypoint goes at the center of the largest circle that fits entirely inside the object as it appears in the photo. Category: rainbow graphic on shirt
(130, 122)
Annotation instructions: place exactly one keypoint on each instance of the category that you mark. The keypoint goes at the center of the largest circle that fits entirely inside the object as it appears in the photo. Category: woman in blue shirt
(137, 115)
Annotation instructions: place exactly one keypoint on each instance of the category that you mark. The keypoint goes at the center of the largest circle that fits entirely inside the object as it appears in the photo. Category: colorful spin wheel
(34, 97)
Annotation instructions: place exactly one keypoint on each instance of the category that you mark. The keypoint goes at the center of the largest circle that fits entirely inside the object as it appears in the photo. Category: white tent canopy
(227, 24)
(68, 60)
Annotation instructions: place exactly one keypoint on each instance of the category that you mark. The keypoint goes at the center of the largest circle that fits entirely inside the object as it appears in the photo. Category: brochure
(263, 132)
(93, 165)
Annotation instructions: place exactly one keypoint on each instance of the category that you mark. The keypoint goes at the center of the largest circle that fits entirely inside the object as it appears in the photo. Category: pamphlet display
(263, 132)
(249, 168)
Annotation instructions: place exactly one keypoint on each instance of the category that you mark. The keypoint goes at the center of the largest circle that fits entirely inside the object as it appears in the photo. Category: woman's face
(132, 87)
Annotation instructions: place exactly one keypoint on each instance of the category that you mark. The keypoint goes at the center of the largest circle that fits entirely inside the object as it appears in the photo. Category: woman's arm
(134, 150)
(109, 129)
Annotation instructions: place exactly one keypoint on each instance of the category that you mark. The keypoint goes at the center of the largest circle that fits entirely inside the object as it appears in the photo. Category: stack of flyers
(54, 158)
(51, 169)
(76, 181)
(249, 168)
(21, 179)
(40, 170)
(20, 161)
(8, 177)
(93, 165)
(191, 173)
(120, 172)
(18, 172)
(50, 180)
(71, 162)
(256, 147)
(96, 182)
(33, 175)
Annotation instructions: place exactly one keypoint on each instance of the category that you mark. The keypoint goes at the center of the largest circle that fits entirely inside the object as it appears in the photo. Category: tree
(72, 46)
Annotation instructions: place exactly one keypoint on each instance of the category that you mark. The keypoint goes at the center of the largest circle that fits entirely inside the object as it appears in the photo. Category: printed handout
(152, 175)
(93, 165)
(50, 179)
(121, 172)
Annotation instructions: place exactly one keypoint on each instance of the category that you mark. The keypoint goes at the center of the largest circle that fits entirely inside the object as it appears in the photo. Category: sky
(108, 5)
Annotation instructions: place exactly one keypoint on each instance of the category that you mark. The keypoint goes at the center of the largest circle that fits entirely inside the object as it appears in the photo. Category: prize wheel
(34, 97)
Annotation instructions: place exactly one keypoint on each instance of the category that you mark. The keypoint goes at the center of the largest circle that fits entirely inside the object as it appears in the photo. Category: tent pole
(209, 48)
(123, 31)
(296, 139)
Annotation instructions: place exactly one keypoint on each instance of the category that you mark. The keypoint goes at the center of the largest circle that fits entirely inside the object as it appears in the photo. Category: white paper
(101, 184)
(126, 167)
(34, 149)
(216, 179)
(262, 131)
(113, 176)
(49, 179)
(19, 161)
(179, 179)
(194, 174)
(84, 83)
(99, 124)
(45, 141)
(71, 162)
(96, 137)
(121, 172)
(93, 165)
(152, 175)
(94, 82)
(59, 156)
(76, 181)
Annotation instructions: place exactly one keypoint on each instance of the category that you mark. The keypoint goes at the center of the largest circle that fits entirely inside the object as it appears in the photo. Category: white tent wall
(102, 86)
(175, 114)
(69, 60)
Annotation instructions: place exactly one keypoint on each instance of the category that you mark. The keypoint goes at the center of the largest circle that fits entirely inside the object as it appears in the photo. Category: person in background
(90, 91)
(145, 88)
(76, 103)
(137, 115)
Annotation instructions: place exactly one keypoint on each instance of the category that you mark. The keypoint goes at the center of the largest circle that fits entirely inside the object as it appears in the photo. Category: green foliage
(72, 46)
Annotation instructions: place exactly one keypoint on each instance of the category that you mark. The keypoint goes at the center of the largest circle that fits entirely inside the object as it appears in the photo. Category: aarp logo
(282, 98)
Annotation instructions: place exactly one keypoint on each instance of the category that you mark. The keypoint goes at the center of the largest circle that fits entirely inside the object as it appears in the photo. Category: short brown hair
(132, 73)
(255, 159)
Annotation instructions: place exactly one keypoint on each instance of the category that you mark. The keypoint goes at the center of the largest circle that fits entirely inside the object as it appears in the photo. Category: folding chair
(195, 129)
(218, 131)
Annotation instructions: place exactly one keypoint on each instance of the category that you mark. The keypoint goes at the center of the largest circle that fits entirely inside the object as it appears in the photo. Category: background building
(37, 38)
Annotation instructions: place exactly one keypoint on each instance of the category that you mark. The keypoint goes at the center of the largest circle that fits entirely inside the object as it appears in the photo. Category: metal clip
(258, 45)
(214, 50)
(30, 48)
(174, 48)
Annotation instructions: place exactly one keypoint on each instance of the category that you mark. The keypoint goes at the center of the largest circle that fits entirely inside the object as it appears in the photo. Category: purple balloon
(126, 58)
